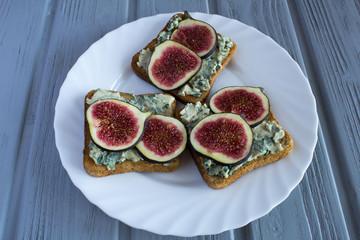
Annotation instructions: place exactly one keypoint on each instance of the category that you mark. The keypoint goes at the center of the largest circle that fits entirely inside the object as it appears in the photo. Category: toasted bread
(97, 170)
(143, 73)
(218, 182)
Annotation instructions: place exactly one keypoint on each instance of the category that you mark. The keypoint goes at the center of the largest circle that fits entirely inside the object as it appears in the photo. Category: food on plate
(196, 35)
(249, 102)
(270, 143)
(214, 50)
(115, 125)
(115, 120)
(236, 134)
(164, 139)
(172, 64)
(224, 137)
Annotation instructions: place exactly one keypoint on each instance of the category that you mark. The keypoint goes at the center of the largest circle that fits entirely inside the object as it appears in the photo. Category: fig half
(224, 137)
(197, 35)
(172, 65)
(249, 102)
(115, 125)
(164, 139)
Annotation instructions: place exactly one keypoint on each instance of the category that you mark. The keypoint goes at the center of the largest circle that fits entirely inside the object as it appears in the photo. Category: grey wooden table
(41, 40)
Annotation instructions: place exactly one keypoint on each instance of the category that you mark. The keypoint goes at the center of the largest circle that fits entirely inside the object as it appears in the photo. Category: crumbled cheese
(159, 103)
(267, 136)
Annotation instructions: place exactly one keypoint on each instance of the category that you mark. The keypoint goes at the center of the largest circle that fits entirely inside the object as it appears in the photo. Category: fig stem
(187, 14)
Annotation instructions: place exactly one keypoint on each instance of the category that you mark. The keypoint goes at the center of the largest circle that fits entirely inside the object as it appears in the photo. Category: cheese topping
(159, 103)
(201, 81)
(267, 136)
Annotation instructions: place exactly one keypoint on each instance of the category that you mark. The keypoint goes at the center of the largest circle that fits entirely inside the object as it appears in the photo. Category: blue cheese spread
(144, 58)
(171, 26)
(145, 54)
(192, 113)
(210, 65)
(267, 136)
(159, 103)
(201, 81)
(109, 159)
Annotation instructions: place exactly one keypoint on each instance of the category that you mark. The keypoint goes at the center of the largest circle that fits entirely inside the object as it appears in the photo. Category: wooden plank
(270, 17)
(320, 196)
(330, 31)
(18, 35)
(44, 203)
(149, 8)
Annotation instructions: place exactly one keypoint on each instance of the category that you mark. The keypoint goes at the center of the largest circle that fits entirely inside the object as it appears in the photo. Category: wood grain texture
(146, 8)
(320, 196)
(44, 203)
(330, 33)
(270, 17)
(17, 53)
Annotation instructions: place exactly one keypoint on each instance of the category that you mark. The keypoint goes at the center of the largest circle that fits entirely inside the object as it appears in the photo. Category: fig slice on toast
(197, 35)
(224, 137)
(164, 139)
(249, 102)
(115, 125)
(172, 65)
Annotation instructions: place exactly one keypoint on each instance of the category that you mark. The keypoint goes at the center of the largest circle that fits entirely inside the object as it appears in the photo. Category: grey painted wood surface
(41, 40)
(334, 71)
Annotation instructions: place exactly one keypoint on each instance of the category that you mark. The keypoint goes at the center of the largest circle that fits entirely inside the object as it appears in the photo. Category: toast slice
(97, 170)
(218, 181)
(141, 71)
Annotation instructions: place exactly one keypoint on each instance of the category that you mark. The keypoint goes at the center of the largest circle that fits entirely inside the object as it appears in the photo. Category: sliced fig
(172, 64)
(164, 139)
(197, 35)
(249, 102)
(223, 137)
(115, 125)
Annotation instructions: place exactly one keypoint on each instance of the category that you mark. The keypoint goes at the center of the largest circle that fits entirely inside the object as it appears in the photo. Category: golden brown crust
(143, 74)
(218, 182)
(96, 170)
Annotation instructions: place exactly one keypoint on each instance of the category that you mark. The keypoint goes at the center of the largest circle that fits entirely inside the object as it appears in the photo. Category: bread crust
(218, 182)
(96, 170)
(143, 74)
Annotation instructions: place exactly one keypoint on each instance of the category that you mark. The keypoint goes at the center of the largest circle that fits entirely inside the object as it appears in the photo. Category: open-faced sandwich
(184, 59)
(131, 133)
(236, 134)
(233, 134)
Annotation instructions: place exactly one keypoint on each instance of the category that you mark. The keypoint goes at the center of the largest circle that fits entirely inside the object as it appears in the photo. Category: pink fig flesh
(249, 102)
(172, 64)
(117, 125)
(223, 136)
(164, 139)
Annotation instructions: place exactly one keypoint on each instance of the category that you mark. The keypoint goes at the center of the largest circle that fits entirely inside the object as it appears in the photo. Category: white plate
(180, 203)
